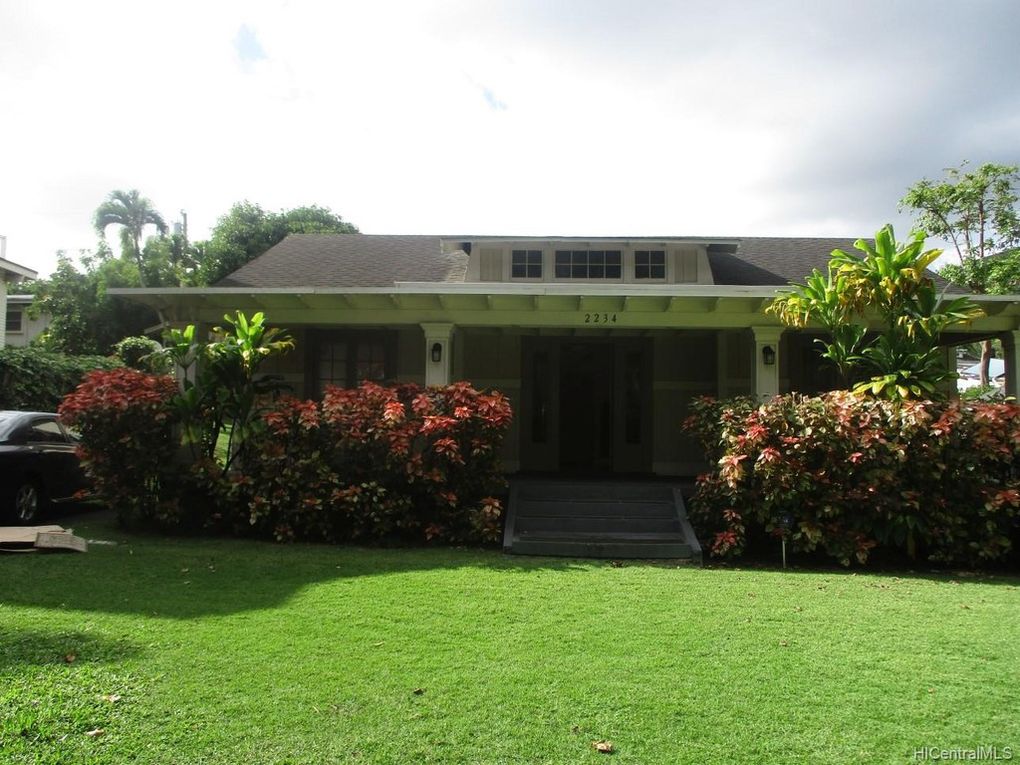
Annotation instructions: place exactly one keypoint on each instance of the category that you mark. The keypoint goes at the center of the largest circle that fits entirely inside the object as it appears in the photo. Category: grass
(236, 651)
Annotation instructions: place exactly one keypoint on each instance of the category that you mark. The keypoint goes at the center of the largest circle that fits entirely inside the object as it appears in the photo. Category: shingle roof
(349, 260)
(370, 260)
(774, 260)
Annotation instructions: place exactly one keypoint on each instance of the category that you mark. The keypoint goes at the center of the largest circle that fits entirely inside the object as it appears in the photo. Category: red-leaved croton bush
(124, 419)
(848, 474)
(371, 463)
(377, 462)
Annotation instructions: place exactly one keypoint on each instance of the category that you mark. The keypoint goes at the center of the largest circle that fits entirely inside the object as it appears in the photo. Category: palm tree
(133, 212)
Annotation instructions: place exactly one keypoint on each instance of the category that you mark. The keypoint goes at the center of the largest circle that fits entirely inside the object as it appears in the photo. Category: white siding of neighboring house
(30, 328)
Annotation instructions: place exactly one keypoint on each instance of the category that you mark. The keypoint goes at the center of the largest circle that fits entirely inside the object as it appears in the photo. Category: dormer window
(588, 264)
(526, 264)
(649, 264)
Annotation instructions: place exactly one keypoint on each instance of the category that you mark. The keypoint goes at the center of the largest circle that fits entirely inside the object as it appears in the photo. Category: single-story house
(10, 274)
(600, 342)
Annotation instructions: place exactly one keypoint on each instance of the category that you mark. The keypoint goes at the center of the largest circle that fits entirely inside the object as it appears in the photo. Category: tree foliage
(84, 319)
(889, 282)
(132, 212)
(977, 212)
(248, 230)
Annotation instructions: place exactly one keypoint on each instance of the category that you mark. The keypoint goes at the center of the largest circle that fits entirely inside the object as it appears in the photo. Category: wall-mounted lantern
(437, 352)
(768, 355)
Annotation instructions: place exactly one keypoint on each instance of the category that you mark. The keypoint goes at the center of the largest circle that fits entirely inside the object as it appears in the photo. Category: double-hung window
(14, 319)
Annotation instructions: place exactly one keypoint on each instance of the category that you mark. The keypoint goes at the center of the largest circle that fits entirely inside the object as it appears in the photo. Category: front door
(586, 405)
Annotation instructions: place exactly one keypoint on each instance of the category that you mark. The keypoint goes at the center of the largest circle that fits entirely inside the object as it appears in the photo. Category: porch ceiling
(516, 305)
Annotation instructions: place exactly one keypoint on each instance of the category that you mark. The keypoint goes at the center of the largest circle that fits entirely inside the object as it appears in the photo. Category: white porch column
(766, 376)
(1011, 355)
(438, 344)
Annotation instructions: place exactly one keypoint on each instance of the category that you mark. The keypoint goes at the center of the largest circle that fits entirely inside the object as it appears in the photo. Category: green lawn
(245, 652)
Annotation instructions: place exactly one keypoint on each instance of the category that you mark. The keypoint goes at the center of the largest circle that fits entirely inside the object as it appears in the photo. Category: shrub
(381, 463)
(371, 464)
(983, 393)
(37, 380)
(127, 441)
(888, 281)
(142, 353)
(847, 474)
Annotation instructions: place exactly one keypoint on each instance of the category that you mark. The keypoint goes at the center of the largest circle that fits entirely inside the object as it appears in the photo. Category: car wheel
(27, 502)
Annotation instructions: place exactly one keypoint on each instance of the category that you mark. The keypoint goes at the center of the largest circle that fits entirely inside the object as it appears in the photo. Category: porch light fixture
(768, 355)
(437, 352)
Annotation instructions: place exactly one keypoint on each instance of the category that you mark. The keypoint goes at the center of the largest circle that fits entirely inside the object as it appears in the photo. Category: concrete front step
(600, 523)
(602, 549)
(596, 490)
(599, 519)
(595, 508)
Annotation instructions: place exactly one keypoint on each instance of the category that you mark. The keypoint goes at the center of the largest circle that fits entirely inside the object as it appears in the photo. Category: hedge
(374, 463)
(850, 476)
(36, 380)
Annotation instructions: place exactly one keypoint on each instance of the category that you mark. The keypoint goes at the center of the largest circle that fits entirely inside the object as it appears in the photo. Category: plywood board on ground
(25, 538)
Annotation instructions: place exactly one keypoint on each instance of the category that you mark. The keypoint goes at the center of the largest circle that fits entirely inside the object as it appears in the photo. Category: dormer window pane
(526, 264)
(649, 264)
(588, 264)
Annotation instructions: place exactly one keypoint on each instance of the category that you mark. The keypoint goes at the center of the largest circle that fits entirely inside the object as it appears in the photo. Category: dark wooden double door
(586, 405)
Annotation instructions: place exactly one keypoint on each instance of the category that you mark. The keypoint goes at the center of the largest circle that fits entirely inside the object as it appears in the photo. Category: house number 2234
(600, 318)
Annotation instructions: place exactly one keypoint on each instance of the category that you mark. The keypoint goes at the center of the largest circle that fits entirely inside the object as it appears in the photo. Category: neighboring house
(600, 343)
(22, 329)
(970, 377)
(10, 274)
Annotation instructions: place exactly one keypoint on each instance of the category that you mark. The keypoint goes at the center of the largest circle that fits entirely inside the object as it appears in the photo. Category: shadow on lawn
(187, 577)
(20, 647)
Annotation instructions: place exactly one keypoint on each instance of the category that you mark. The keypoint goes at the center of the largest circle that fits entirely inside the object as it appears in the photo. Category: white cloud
(535, 117)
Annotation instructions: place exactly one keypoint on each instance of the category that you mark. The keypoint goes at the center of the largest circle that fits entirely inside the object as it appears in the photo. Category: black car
(38, 465)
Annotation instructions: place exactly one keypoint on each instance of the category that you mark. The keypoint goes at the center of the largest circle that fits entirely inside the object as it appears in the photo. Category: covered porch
(600, 376)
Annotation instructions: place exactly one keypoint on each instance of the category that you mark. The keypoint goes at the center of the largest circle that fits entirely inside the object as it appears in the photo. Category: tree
(132, 212)
(83, 318)
(247, 231)
(977, 212)
(170, 261)
(889, 279)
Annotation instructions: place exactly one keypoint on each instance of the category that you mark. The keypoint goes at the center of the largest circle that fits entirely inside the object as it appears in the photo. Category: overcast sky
(589, 118)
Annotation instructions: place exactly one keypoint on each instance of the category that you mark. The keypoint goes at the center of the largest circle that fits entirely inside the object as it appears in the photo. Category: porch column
(1011, 355)
(438, 353)
(766, 349)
